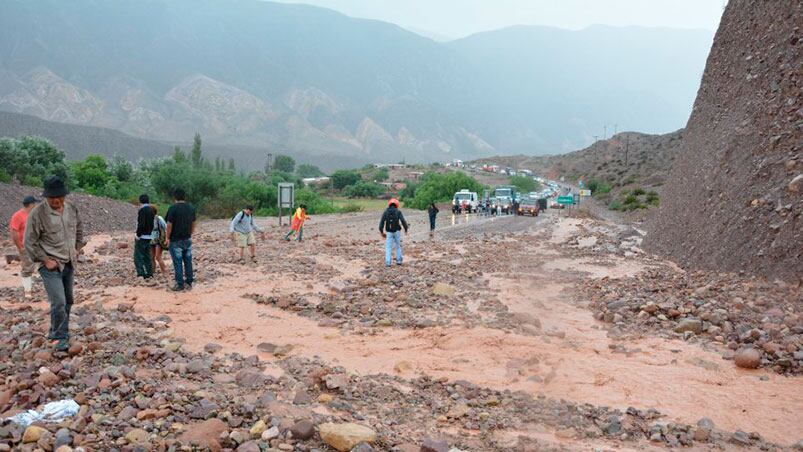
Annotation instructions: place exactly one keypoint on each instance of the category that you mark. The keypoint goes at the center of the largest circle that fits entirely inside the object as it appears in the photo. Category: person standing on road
(242, 229)
(54, 238)
(297, 223)
(16, 229)
(159, 240)
(180, 227)
(142, 244)
(433, 213)
(390, 227)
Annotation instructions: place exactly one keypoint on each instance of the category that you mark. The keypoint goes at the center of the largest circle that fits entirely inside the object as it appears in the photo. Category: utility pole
(604, 131)
(615, 127)
(627, 147)
(596, 138)
(269, 164)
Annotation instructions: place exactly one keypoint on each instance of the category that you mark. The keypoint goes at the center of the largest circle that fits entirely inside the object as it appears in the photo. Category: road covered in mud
(509, 333)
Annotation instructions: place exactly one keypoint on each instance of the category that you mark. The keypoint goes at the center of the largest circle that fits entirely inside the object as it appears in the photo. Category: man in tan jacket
(53, 241)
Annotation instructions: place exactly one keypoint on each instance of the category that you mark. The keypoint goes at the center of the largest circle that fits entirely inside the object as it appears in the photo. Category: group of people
(49, 237)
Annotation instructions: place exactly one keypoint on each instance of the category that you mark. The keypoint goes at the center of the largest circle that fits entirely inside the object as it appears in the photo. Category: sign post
(566, 200)
(286, 198)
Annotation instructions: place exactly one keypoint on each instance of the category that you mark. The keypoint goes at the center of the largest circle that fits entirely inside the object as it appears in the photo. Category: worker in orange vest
(297, 223)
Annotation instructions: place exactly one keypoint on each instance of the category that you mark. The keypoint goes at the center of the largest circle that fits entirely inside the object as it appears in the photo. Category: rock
(75, 349)
(61, 449)
(63, 438)
(325, 398)
(270, 433)
(257, 429)
(212, 348)
(748, 358)
(137, 436)
(48, 378)
(238, 436)
(197, 366)
(205, 434)
(127, 413)
(434, 445)
(740, 437)
(336, 381)
(250, 446)
(266, 347)
(693, 325)
(701, 434)
(250, 378)
(344, 437)
(796, 185)
(32, 434)
(302, 398)
(706, 423)
(443, 289)
(362, 447)
(303, 430)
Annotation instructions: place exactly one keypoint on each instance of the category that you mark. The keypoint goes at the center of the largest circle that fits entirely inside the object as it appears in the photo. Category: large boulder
(344, 437)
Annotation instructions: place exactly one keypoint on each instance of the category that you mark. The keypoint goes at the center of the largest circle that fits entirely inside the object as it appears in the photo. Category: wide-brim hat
(54, 188)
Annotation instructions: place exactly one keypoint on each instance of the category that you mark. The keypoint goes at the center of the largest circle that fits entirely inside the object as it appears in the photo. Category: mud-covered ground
(496, 334)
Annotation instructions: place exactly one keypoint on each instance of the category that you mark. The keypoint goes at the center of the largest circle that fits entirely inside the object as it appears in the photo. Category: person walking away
(242, 229)
(390, 227)
(433, 213)
(297, 223)
(16, 229)
(180, 227)
(54, 238)
(159, 240)
(142, 245)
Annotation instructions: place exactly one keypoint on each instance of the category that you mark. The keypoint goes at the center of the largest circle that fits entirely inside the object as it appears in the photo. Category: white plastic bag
(51, 412)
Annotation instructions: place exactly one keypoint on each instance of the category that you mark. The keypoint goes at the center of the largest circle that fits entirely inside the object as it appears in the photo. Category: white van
(465, 201)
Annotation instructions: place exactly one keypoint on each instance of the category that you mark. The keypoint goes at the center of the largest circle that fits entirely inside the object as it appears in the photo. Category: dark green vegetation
(524, 184)
(307, 80)
(438, 187)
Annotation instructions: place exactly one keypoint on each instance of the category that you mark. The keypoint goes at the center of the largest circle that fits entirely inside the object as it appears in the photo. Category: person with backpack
(159, 241)
(297, 223)
(433, 213)
(390, 227)
(242, 229)
(142, 245)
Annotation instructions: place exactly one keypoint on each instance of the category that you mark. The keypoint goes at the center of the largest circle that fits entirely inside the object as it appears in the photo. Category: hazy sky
(458, 18)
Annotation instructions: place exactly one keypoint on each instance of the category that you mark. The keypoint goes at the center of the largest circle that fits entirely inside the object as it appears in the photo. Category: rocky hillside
(98, 214)
(735, 194)
(304, 79)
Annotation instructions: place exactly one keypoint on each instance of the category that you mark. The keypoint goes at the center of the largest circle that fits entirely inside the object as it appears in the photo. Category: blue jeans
(181, 254)
(394, 238)
(58, 285)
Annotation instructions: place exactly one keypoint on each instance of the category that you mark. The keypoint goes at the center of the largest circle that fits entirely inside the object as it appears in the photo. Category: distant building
(390, 165)
(315, 180)
(457, 163)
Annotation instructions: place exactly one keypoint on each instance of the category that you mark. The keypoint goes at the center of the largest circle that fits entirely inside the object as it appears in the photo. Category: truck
(465, 201)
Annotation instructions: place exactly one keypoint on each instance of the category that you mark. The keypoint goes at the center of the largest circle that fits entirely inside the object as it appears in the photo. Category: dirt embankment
(735, 194)
(98, 214)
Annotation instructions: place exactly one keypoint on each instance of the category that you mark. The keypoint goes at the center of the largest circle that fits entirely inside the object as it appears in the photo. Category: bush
(343, 178)
(638, 191)
(631, 199)
(524, 184)
(363, 189)
(598, 187)
(615, 205)
(304, 170)
(436, 187)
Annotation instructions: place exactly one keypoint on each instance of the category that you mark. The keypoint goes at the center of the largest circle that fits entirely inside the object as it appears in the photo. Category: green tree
(284, 163)
(344, 178)
(121, 168)
(435, 187)
(91, 174)
(195, 154)
(364, 189)
(30, 159)
(179, 155)
(307, 170)
(232, 168)
(524, 184)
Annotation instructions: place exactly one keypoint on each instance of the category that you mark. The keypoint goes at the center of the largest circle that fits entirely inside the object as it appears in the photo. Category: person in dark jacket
(390, 227)
(142, 244)
(433, 213)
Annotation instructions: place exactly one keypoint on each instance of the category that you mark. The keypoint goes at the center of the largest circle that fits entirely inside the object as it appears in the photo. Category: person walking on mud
(297, 223)
(180, 227)
(159, 240)
(142, 244)
(242, 230)
(433, 213)
(16, 229)
(54, 238)
(390, 227)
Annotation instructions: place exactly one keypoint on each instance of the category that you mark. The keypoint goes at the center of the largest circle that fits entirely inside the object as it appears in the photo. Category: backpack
(238, 213)
(162, 240)
(392, 223)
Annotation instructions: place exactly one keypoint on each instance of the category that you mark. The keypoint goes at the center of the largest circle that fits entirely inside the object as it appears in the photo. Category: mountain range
(307, 80)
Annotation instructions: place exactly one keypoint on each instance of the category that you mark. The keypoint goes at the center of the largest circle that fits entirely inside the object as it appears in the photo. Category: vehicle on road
(465, 201)
(505, 204)
(528, 206)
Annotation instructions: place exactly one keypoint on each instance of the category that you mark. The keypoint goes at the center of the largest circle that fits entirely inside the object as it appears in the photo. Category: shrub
(436, 187)
(363, 189)
(638, 191)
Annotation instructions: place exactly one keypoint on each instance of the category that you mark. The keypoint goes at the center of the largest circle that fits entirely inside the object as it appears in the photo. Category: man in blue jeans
(53, 240)
(180, 227)
(390, 227)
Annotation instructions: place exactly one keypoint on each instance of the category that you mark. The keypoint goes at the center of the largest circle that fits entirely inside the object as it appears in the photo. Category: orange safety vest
(298, 219)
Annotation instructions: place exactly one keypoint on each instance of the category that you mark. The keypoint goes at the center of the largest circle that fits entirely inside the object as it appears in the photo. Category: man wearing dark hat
(53, 240)
(16, 228)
